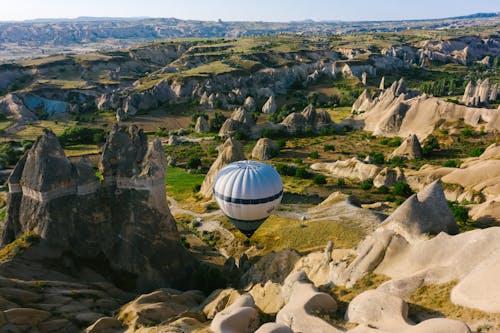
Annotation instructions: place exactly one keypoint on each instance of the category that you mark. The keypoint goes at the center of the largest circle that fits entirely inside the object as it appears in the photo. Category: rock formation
(265, 149)
(250, 105)
(398, 112)
(382, 83)
(295, 123)
(201, 125)
(363, 79)
(240, 120)
(270, 106)
(122, 221)
(479, 94)
(409, 149)
(231, 151)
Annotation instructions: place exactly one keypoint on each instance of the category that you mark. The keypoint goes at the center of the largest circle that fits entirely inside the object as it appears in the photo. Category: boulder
(268, 297)
(239, 317)
(231, 151)
(158, 306)
(303, 301)
(274, 328)
(26, 316)
(377, 309)
(270, 106)
(265, 149)
(218, 300)
(410, 148)
(310, 114)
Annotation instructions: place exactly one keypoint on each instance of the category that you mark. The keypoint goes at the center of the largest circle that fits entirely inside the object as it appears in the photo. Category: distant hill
(41, 37)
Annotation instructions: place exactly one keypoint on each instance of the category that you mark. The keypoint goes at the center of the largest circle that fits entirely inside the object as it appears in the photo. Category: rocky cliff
(120, 222)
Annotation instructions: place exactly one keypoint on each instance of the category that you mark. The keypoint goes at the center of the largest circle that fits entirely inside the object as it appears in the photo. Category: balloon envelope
(247, 192)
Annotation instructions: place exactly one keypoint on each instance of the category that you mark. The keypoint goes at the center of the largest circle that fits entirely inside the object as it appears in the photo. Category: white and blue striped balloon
(247, 192)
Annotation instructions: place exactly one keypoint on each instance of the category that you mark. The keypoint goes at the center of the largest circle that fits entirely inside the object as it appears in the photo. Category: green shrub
(451, 164)
(398, 161)
(467, 133)
(329, 148)
(82, 135)
(383, 189)
(461, 213)
(476, 152)
(193, 163)
(395, 142)
(286, 170)
(302, 172)
(402, 189)
(216, 122)
(366, 184)
(378, 158)
(314, 155)
(319, 180)
(341, 182)
(431, 144)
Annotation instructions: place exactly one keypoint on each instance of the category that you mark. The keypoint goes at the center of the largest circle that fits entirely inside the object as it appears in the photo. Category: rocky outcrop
(12, 105)
(201, 125)
(397, 112)
(270, 106)
(265, 149)
(240, 120)
(410, 149)
(231, 151)
(121, 221)
(480, 93)
(240, 316)
(295, 123)
(426, 212)
(250, 105)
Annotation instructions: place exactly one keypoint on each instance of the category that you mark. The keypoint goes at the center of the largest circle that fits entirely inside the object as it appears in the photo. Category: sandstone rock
(274, 328)
(239, 317)
(424, 212)
(231, 151)
(104, 324)
(268, 297)
(242, 116)
(125, 218)
(399, 112)
(274, 267)
(294, 123)
(270, 106)
(87, 318)
(218, 300)
(388, 177)
(377, 309)
(156, 307)
(382, 83)
(121, 115)
(303, 301)
(202, 125)
(265, 149)
(250, 105)
(26, 316)
(20, 296)
(229, 128)
(409, 149)
(363, 78)
(11, 104)
(310, 114)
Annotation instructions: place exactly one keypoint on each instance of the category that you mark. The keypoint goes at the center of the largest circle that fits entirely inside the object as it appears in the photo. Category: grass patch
(434, 301)
(180, 184)
(78, 150)
(18, 246)
(279, 233)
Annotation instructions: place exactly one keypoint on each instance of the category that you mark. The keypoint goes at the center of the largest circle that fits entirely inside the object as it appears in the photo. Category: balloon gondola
(247, 192)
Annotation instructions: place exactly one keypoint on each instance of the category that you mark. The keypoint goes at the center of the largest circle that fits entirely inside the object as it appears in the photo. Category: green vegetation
(82, 135)
(10, 153)
(180, 184)
(23, 242)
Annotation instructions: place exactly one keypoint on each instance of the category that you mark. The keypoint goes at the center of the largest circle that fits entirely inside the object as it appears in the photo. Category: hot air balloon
(247, 192)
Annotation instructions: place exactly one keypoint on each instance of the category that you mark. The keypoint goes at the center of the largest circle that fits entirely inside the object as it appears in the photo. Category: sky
(247, 10)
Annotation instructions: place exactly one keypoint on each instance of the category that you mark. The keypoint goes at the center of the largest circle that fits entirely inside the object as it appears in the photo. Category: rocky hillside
(41, 37)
